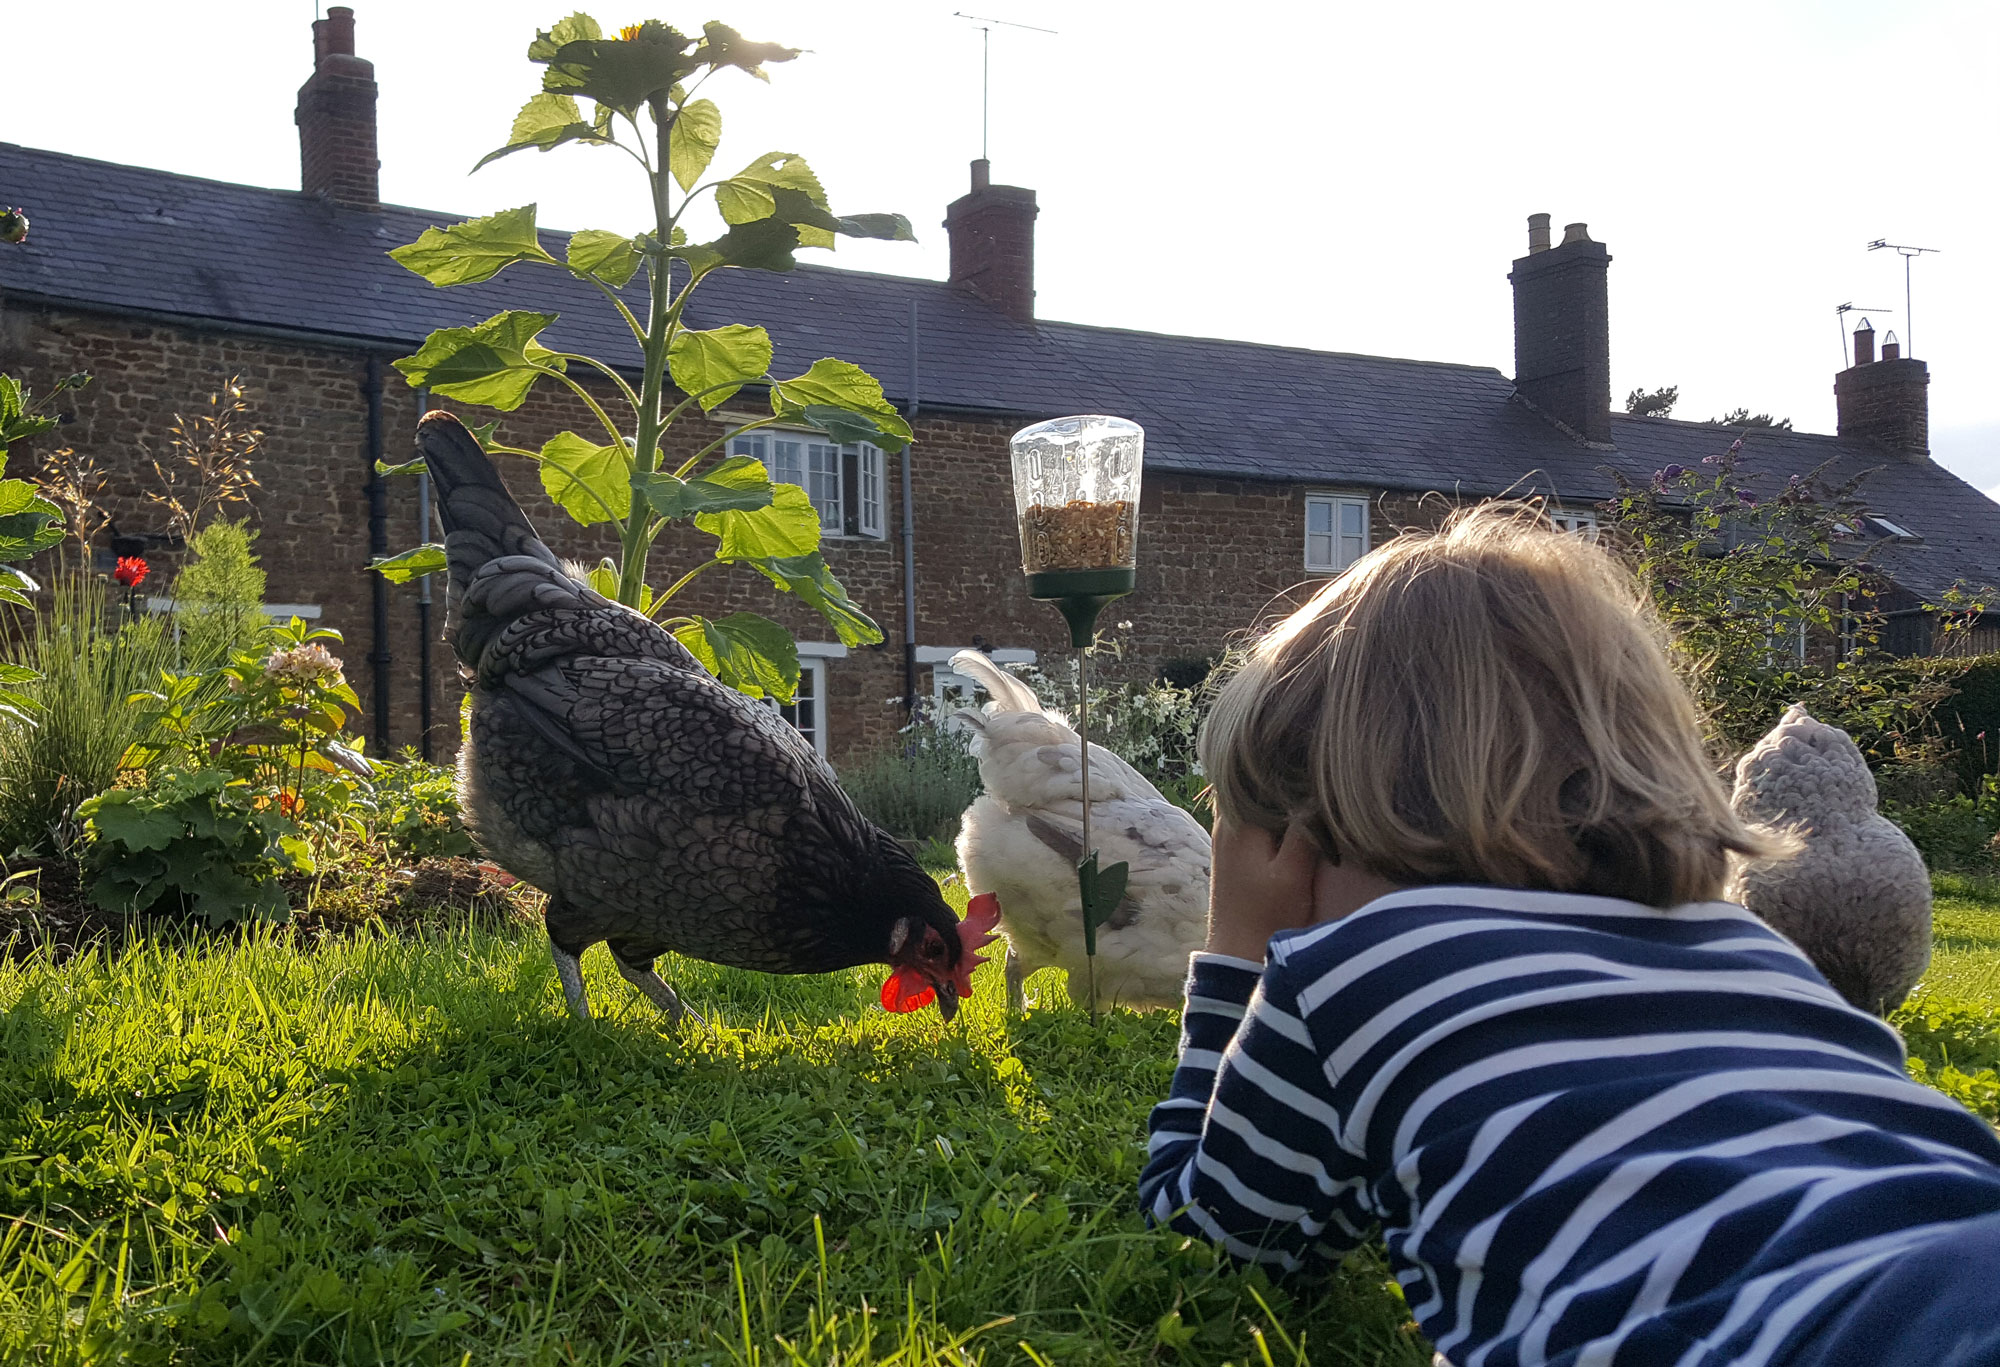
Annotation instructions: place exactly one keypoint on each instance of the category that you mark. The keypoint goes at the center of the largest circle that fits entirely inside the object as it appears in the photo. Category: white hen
(1022, 840)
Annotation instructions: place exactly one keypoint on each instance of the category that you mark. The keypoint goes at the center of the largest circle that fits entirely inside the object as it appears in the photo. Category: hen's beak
(947, 998)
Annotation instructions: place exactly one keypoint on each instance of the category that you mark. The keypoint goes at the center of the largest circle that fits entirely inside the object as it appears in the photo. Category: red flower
(131, 571)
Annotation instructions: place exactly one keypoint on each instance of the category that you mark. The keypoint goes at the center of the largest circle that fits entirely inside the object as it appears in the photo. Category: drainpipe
(378, 545)
(910, 543)
(424, 689)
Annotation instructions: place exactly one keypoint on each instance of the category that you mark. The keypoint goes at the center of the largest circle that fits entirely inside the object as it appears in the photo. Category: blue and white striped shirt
(1589, 1131)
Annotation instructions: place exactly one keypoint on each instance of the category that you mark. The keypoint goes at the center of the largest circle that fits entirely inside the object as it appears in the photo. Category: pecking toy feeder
(1076, 491)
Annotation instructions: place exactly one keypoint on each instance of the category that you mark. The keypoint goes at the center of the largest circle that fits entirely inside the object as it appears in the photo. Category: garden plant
(641, 86)
(1773, 600)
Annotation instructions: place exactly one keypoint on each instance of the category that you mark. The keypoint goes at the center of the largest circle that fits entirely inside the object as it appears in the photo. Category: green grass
(1952, 1021)
(403, 1150)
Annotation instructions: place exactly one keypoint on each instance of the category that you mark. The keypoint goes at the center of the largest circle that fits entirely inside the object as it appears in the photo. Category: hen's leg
(1017, 974)
(567, 941)
(569, 971)
(641, 975)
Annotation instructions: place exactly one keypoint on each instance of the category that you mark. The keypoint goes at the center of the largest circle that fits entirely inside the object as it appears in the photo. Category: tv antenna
(1907, 253)
(1840, 312)
(986, 61)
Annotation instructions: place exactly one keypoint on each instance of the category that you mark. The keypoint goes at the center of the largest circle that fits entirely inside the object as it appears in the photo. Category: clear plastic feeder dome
(1076, 491)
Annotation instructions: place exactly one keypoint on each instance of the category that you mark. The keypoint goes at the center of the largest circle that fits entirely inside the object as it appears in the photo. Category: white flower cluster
(303, 666)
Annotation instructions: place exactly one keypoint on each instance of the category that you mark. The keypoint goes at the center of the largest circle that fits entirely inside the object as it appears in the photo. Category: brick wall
(1216, 556)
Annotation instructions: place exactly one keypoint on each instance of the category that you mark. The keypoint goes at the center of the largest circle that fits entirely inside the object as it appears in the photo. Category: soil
(47, 909)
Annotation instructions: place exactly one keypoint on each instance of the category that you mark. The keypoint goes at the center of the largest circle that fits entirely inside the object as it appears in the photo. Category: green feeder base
(1080, 595)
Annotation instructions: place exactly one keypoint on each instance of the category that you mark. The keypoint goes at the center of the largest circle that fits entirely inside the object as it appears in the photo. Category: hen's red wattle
(906, 991)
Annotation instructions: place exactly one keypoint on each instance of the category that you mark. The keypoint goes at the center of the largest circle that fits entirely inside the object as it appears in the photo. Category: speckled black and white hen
(658, 809)
(1856, 897)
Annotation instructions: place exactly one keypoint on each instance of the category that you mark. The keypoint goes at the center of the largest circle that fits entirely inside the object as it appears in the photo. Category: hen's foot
(1017, 975)
(569, 971)
(655, 987)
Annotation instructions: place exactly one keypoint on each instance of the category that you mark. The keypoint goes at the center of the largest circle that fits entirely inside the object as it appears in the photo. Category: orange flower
(288, 802)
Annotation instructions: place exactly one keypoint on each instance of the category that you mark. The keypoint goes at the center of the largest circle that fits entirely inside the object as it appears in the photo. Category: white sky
(1347, 176)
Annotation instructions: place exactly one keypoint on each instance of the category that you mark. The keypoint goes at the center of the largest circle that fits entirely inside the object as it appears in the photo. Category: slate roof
(130, 240)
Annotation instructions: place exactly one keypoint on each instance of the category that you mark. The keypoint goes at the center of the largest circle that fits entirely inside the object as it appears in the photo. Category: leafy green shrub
(1771, 601)
(416, 809)
(198, 842)
(1968, 722)
(274, 718)
(77, 675)
(219, 597)
(1956, 832)
(920, 788)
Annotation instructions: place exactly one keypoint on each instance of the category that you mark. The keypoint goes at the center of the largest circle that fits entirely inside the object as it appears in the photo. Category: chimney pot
(992, 233)
(1575, 232)
(1562, 330)
(1864, 343)
(1892, 350)
(336, 118)
(333, 35)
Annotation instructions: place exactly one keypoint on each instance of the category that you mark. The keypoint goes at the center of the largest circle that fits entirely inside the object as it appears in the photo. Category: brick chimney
(1562, 329)
(1886, 401)
(992, 234)
(336, 118)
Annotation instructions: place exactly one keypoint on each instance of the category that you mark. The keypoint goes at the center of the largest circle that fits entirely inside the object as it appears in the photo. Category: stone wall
(1216, 556)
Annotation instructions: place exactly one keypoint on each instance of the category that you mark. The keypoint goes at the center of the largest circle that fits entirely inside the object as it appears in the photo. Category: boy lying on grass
(1468, 981)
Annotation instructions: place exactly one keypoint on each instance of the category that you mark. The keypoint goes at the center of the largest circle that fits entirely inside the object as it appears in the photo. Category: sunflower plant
(638, 92)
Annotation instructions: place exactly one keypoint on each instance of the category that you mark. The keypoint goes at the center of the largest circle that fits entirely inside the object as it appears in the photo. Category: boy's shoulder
(1448, 921)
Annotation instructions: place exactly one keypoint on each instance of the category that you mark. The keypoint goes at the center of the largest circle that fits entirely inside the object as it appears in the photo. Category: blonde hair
(1488, 703)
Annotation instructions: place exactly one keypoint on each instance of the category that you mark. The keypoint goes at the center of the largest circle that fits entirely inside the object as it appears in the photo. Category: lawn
(402, 1150)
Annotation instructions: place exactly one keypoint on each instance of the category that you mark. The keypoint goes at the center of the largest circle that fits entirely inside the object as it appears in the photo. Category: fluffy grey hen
(1857, 897)
(658, 809)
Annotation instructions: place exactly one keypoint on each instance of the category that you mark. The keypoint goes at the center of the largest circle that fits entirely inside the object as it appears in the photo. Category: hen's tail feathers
(482, 521)
(482, 525)
(1009, 694)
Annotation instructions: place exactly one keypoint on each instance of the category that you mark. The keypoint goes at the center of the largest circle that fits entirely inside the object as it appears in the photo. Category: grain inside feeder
(1078, 535)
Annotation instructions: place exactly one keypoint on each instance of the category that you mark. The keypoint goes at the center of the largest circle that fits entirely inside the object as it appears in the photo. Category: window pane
(750, 445)
(1319, 515)
(823, 471)
(871, 491)
(803, 714)
(1352, 548)
(787, 463)
(1319, 552)
(1353, 519)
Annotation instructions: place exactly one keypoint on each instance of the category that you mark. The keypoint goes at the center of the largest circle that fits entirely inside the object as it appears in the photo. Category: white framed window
(807, 710)
(951, 690)
(1571, 520)
(844, 482)
(1336, 531)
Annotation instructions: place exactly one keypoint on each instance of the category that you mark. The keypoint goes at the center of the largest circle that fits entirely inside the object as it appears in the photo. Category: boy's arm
(1245, 1150)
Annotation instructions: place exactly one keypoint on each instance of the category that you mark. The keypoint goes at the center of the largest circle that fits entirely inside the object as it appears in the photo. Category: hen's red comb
(978, 930)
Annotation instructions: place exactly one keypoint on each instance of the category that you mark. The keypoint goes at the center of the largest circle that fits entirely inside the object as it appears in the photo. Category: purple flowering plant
(1770, 589)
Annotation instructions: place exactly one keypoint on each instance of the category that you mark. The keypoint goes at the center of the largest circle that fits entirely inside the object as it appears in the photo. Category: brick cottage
(1267, 468)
